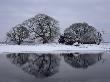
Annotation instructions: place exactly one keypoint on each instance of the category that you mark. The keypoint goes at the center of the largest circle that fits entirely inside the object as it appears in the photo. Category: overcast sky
(94, 12)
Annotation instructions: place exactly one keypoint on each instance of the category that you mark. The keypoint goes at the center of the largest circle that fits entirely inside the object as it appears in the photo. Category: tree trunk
(19, 43)
(45, 41)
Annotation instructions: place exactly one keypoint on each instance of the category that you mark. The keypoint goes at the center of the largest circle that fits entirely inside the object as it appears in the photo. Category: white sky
(94, 12)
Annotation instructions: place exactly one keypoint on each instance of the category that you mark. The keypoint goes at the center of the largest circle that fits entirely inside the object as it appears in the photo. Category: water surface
(51, 67)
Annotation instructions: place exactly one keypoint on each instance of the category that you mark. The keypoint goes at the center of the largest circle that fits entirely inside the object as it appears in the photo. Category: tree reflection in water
(39, 65)
(78, 60)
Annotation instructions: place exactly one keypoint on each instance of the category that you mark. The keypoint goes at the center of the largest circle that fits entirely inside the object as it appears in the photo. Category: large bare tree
(18, 34)
(42, 27)
(81, 33)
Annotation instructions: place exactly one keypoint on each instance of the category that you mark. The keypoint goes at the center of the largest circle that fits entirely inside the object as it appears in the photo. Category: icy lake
(53, 67)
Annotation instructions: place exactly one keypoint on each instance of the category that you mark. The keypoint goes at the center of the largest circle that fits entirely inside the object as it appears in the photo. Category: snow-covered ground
(53, 48)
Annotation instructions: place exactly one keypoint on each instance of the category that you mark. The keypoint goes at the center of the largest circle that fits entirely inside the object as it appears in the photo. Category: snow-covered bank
(52, 48)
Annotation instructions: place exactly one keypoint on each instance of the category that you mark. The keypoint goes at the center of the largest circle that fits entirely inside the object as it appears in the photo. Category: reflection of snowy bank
(54, 48)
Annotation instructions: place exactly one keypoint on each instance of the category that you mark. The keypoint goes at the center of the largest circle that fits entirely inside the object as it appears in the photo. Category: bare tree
(18, 34)
(82, 33)
(43, 27)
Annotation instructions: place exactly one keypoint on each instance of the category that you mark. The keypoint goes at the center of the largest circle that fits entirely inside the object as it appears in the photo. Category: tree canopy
(43, 27)
(81, 33)
(18, 34)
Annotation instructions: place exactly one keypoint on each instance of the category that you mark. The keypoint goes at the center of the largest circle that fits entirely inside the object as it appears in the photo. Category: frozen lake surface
(55, 67)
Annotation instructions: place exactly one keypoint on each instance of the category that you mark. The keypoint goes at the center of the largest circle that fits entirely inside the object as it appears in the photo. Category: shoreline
(53, 48)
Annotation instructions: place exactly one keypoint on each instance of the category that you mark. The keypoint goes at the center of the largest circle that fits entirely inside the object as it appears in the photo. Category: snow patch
(52, 48)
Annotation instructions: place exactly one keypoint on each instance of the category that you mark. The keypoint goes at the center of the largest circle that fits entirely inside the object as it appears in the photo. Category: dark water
(64, 67)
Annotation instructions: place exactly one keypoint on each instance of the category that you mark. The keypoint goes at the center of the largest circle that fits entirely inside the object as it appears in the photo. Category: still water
(48, 67)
